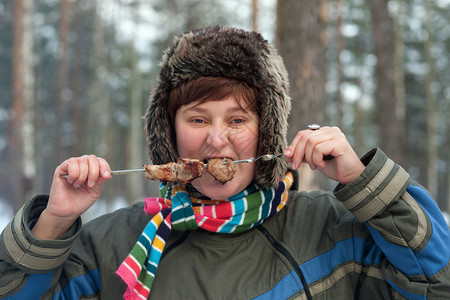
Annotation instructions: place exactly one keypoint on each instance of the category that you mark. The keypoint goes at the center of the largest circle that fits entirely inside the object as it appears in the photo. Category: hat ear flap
(161, 141)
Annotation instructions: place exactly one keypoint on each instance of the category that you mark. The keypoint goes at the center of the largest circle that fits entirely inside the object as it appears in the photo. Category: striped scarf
(177, 210)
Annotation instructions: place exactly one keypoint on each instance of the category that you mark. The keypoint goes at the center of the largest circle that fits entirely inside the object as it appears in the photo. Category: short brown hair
(210, 88)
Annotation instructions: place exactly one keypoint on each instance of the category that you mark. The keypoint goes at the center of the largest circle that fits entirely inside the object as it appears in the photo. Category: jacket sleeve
(405, 223)
(31, 268)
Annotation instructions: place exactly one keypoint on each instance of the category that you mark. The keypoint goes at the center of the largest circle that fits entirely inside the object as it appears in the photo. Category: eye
(238, 120)
(197, 121)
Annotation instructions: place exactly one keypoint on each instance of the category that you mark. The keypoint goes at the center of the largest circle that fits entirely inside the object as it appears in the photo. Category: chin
(211, 188)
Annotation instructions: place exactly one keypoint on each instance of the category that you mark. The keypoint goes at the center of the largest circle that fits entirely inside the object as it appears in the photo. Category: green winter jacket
(380, 237)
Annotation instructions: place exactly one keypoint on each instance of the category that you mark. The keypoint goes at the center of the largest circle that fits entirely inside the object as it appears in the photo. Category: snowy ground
(6, 214)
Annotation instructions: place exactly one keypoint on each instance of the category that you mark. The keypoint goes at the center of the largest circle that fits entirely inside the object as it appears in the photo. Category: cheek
(246, 142)
(188, 142)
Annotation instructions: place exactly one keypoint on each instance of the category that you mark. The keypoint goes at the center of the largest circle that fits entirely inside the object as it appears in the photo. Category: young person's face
(216, 129)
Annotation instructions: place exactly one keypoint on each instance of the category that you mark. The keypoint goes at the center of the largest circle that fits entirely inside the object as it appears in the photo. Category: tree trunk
(447, 146)
(99, 107)
(390, 121)
(399, 65)
(340, 46)
(98, 140)
(28, 140)
(14, 145)
(432, 153)
(77, 82)
(135, 183)
(301, 40)
(255, 15)
(20, 141)
(63, 70)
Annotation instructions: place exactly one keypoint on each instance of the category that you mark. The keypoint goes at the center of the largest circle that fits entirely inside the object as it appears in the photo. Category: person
(223, 93)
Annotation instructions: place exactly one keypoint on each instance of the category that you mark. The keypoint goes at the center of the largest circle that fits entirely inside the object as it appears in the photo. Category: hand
(72, 196)
(310, 146)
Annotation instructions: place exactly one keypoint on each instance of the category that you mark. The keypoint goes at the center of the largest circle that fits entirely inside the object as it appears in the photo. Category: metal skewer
(119, 172)
(264, 157)
(123, 172)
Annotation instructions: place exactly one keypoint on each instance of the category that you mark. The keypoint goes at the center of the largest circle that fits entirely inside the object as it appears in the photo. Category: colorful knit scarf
(177, 210)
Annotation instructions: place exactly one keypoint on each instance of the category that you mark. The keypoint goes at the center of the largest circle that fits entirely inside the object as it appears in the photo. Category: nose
(218, 136)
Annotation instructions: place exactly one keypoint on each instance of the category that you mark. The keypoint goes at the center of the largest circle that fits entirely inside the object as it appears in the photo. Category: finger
(295, 151)
(321, 153)
(73, 170)
(328, 145)
(316, 147)
(83, 166)
(303, 148)
(93, 170)
(291, 149)
(105, 169)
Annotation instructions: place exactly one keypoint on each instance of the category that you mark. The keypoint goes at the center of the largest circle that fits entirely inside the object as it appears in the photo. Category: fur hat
(226, 52)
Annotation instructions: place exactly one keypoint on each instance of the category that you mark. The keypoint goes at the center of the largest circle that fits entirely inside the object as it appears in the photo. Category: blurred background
(75, 77)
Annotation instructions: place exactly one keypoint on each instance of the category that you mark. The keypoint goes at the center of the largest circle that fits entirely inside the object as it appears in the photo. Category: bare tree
(28, 122)
(447, 146)
(340, 46)
(63, 70)
(255, 15)
(301, 39)
(99, 118)
(20, 141)
(432, 170)
(390, 121)
(399, 61)
(136, 133)
(77, 81)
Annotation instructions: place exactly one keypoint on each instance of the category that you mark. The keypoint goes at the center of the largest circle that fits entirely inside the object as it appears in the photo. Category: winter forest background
(75, 76)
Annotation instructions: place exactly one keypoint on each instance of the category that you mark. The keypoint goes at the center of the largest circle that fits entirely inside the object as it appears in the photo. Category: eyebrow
(203, 110)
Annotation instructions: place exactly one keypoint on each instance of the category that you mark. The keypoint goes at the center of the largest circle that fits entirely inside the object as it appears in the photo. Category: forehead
(204, 89)
(229, 104)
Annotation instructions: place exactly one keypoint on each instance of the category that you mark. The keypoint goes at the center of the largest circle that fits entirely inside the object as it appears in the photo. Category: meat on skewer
(164, 172)
(183, 171)
(222, 169)
(186, 170)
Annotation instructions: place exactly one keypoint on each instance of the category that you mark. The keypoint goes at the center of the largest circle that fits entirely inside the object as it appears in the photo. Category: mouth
(224, 157)
(223, 169)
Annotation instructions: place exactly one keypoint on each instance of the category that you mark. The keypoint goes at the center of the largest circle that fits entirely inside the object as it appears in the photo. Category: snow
(6, 214)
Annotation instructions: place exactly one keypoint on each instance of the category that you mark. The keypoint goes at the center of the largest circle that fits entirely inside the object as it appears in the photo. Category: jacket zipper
(289, 257)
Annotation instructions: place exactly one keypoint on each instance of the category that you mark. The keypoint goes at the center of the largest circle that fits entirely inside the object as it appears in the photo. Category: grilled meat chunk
(222, 169)
(183, 171)
(164, 172)
(188, 169)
